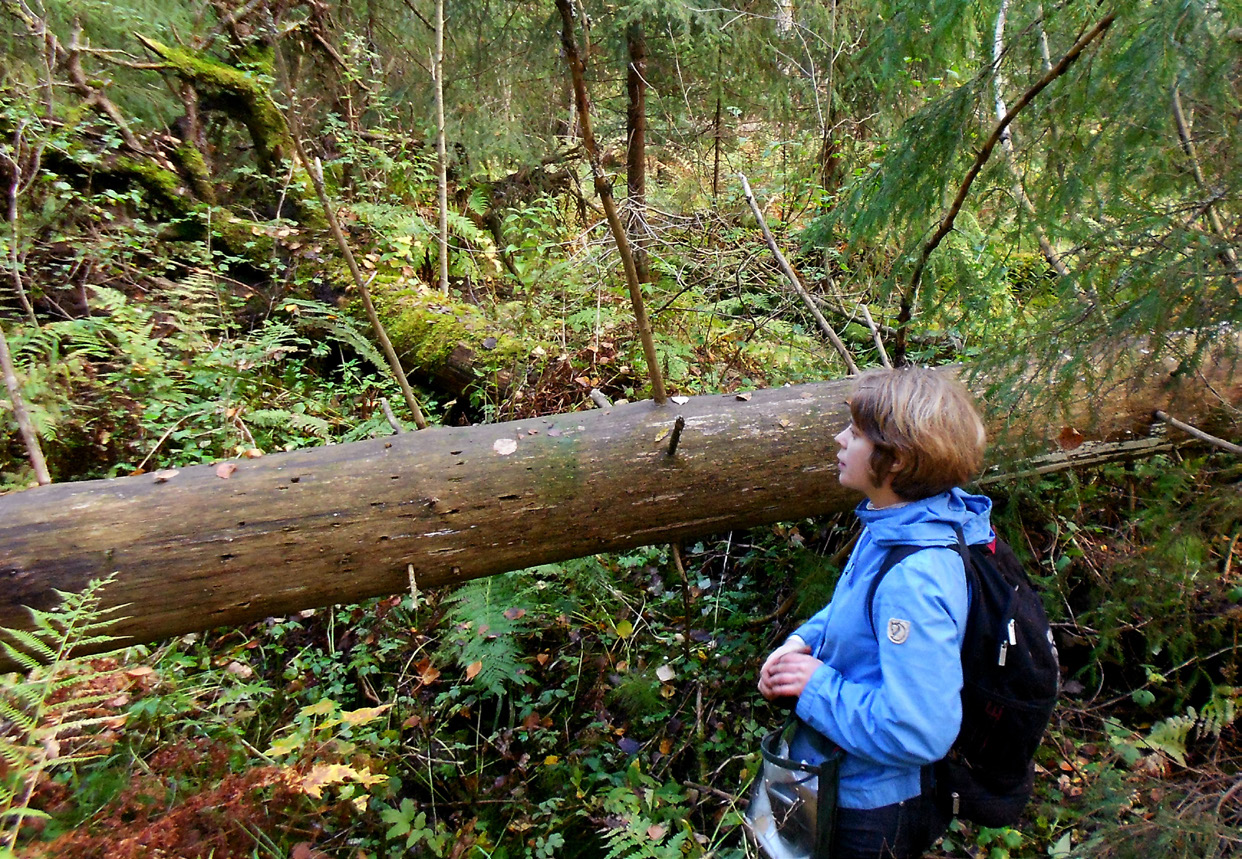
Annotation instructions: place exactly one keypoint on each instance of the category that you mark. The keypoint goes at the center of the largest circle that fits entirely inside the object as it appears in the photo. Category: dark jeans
(903, 830)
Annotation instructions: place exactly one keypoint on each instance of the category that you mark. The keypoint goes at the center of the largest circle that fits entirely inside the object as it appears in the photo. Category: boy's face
(854, 462)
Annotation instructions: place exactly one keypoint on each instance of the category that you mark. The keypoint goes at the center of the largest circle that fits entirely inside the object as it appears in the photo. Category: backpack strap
(897, 554)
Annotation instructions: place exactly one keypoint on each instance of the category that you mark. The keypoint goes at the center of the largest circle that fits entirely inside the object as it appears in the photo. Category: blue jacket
(891, 699)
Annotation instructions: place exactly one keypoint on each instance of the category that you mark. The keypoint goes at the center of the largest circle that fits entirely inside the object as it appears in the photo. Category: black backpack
(1011, 681)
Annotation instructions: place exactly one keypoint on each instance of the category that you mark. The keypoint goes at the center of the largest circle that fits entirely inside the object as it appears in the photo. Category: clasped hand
(787, 671)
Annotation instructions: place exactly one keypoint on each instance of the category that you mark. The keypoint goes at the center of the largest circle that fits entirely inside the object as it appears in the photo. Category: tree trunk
(225, 544)
(437, 71)
(636, 116)
(636, 146)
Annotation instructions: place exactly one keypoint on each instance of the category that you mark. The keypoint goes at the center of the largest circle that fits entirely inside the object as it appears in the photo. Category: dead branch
(1198, 433)
(394, 363)
(604, 189)
(795, 282)
(24, 426)
(1228, 257)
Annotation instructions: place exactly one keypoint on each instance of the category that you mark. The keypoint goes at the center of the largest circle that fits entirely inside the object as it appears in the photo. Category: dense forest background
(1047, 192)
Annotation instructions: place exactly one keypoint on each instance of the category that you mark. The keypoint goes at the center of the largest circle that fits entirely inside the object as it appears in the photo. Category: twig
(394, 363)
(1233, 545)
(678, 426)
(15, 189)
(390, 417)
(788, 271)
(604, 189)
(437, 77)
(687, 600)
(29, 436)
(1198, 433)
(716, 792)
(1237, 785)
(985, 152)
(875, 335)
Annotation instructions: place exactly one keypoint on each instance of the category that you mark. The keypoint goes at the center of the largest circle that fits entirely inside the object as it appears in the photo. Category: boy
(891, 698)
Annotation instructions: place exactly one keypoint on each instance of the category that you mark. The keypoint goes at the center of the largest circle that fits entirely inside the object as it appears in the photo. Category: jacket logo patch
(898, 630)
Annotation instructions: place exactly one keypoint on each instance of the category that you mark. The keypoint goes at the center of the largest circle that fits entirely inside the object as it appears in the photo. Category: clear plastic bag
(792, 804)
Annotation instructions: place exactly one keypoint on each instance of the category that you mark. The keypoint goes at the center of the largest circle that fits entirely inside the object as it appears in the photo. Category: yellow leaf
(551, 761)
(285, 746)
(322, 707)
(625, 629)
(323, 775)
(364, 715)
(473, 669)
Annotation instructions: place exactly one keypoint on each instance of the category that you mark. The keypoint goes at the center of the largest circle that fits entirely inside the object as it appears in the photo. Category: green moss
(163, 187)
(258, 58)
(243, 237)
(237, 92)
(426, 331)
(425, 328)
(192, 163)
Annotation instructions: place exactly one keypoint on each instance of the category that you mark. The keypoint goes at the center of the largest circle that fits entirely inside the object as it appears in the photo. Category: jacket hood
(930, 521)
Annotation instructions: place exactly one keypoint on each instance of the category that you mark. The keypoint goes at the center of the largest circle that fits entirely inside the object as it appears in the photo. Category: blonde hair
(924, 418)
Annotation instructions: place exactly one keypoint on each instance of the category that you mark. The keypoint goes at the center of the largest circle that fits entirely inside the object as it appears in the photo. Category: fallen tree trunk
(226, 544)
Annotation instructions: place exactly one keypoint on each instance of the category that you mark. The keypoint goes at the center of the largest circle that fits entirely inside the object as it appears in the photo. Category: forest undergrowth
(599, 707)
(607, 706)
(172, 297)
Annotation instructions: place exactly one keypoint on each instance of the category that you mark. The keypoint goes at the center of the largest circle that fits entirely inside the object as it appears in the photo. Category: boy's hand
(782, 672)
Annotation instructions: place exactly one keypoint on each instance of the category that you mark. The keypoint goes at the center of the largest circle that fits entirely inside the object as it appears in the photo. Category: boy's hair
(926, 419)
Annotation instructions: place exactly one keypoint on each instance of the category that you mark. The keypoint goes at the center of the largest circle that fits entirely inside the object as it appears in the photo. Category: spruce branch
(985, 152)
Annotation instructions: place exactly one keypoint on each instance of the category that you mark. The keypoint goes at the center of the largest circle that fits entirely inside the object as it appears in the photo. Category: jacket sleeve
(812, 632)
(912, 715)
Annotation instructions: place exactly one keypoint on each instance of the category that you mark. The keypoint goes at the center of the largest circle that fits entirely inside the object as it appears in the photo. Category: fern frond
(28, 648)
(1169, 736)
(310, 424)
(316, 316)
(16, 755)
(485, 627)
(18, 716)
(1219, 712)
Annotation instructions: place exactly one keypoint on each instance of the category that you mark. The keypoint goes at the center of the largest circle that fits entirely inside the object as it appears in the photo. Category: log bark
(213, 545)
